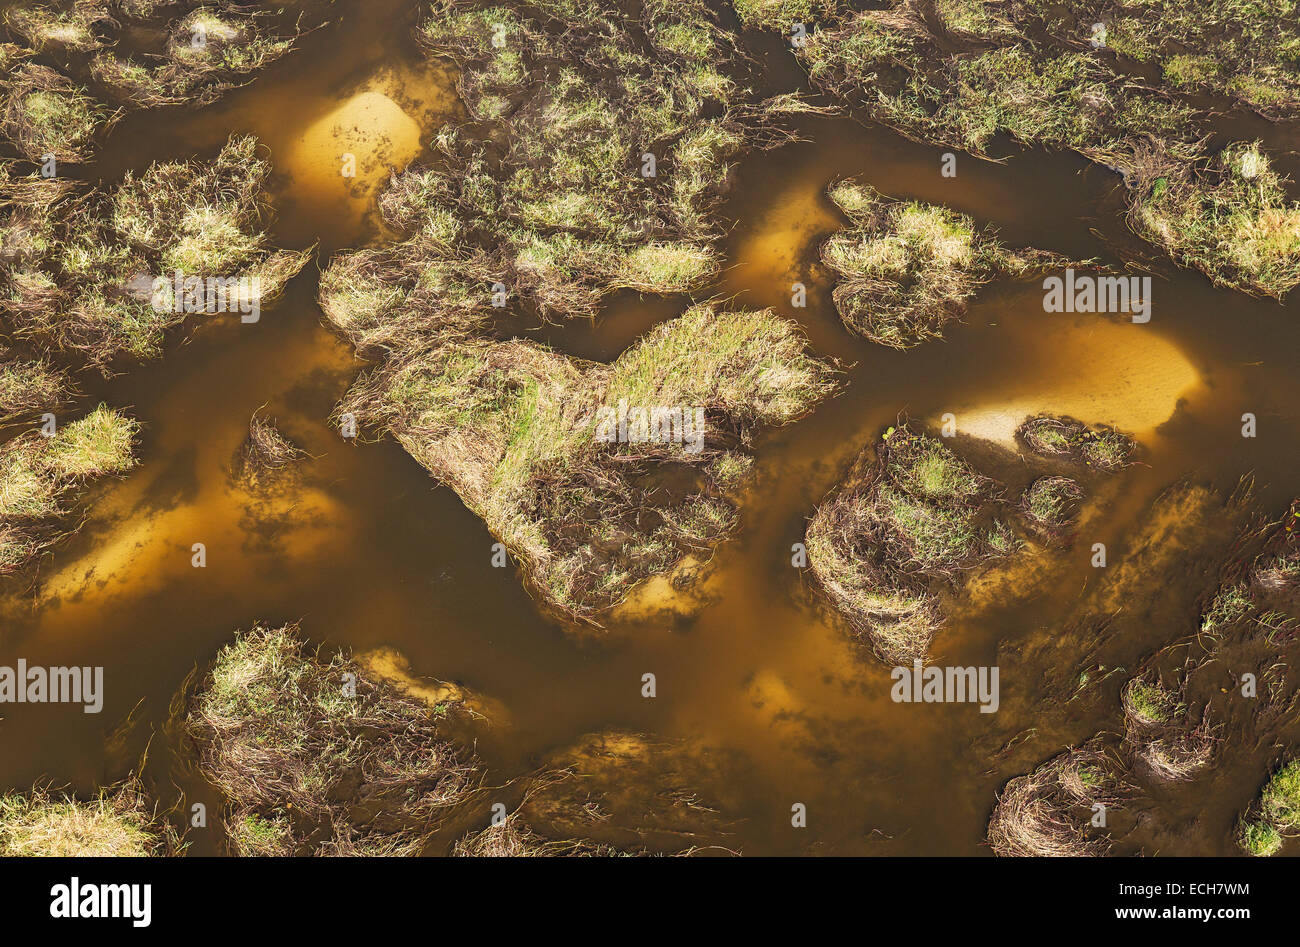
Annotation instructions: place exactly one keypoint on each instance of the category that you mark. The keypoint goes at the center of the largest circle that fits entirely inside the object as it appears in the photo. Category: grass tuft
(896, 525)
(37, 472)
(114, 824)
(1102, 448)
(317, 756)
(44, 113)
(908, 268)
(1276, 815)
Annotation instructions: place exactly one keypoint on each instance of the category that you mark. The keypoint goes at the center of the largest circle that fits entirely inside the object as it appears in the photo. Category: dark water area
(752, 671)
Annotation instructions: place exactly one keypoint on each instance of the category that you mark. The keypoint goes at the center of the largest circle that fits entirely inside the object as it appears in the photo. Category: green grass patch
(908, 268)
(1051, 503)
(906, 519)
(1150, 703)
(38, 472)
(1275, 816)
(318, 756)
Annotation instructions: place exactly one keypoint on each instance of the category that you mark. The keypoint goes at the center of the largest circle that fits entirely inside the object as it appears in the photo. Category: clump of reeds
(1230, 605)
(1051, 504)
(1097, 446)
(265, 456)
(1149, 704)
(115, 823)
(83, 28)
(908, 268)
(1279, 574)
(101, 279)
(1258, 838)
(316, 755)
(515, 429)
(900, 521)
(205, 53)
(1227, 215)
(1048, 811)
(974, 17)
(1181, 754)
(1276, 814)
(509, 838)
(27, 215)
(37, 472)
(1091, 774)
(44, 113)
(29, 386)
(1157, 729)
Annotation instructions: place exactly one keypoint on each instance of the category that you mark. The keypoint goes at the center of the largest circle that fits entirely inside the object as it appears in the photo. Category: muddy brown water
(756, 675)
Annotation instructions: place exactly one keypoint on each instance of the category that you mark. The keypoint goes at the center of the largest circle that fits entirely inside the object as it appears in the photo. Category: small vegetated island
(115, 56)
(324, 755)
(912, 519)
(314, 755)
(908, 268)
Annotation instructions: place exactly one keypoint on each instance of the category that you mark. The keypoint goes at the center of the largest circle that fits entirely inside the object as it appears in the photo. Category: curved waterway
(752, 671)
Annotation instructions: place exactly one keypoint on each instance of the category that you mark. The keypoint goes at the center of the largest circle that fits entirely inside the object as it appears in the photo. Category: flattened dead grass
(1048, 812)
(615, 793)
